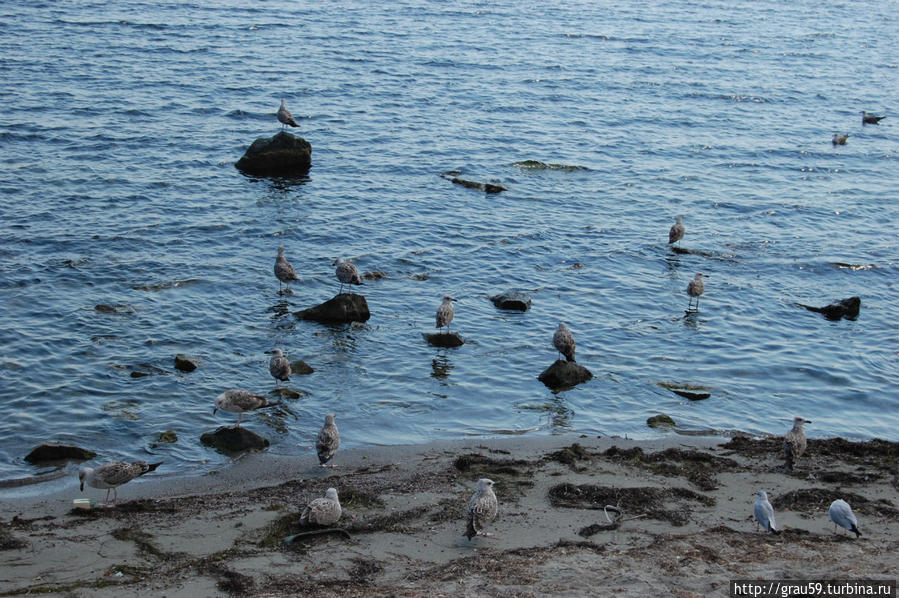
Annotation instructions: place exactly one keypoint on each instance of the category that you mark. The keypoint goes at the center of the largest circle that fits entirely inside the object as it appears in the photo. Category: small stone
(50, 452)
(444, 339)
(185, 363)
(660, 421)
(234, 440)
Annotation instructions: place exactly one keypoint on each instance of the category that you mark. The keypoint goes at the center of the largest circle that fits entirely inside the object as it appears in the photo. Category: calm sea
(122, 123)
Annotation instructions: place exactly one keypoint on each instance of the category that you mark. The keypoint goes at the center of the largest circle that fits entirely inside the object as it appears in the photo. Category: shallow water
(121, 127)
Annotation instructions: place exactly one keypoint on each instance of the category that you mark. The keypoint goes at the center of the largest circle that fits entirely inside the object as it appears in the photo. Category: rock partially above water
(346, 307)
(301, 368)
(660, 421)
(50, 452)
(234, 440)
(564, 374)
(444, 339)
(186, 363)
(282, 154)
(846, 308)
(515, 300)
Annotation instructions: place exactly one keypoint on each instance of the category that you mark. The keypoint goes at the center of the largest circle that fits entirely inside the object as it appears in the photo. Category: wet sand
(686, 528)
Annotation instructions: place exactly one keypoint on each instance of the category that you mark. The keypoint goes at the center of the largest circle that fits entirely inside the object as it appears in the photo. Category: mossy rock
(230, 440)
(660, 421)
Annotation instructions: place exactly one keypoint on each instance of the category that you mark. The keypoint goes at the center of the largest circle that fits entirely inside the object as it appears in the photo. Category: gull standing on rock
(328, 441)
(445, 313)
(347, 273)
(563, 341)
(285, 117)
(284, 271)
(677, 231)
(841, 514)
(481, 509)
(795, 442)
(279, 367)
(694, 289)
(764, 513)
(322, 511)
(112, 475)
(240, 401)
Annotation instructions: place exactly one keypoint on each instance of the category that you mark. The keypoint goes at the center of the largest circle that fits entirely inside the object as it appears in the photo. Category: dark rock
(346, 307)
(485, 187)
(444, 339)
(166, 437)
(564, 374)
(186, 363)
(286, 393)
(375, 275)
(660, 421)
(846, 308)
(51, 451)
(282, 154)
(516, 300)
(118, 308)
(689, 394)
(234, 440)
(300, 368)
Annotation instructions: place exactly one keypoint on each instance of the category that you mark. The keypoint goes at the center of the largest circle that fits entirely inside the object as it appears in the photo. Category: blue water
(120, 130)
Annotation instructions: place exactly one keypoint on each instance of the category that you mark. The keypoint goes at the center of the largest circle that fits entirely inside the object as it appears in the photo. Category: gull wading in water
(481, 509)
(841, 514)
(279, 367)
(328, 441)
(795, 442)
(676, 233)
(322, 511)
(112, 475)
(694, 289)
(240, 401)
(445, 313)
(285, 117)
(284, 271)
(764, 513)
(563, 341)
(347, 273)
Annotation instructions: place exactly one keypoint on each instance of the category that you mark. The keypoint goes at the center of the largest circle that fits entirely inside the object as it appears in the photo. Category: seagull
(481, 509)
(240, 401)
(347, 273)
(563, 341)
(284, 271)
(695, 288)
(841, 514)
(794, 442)
(870, 119)
(112, 475)
(445, 312)
(322, 511)
(285, 117)
(677, 231)
(764, 513)
(328, 441)
(279, 366)
(840, 139)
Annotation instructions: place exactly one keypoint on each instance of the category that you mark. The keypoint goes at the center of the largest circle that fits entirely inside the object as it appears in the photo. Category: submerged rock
(282, 154)
(52, 451)
(845, 308)
(186, 363)
(485, 187)
(660, 421)
(234, 440)
(346, 307)
(564, 374)
(512, 299)
(444, 339)
(167, 437)
(300, 368)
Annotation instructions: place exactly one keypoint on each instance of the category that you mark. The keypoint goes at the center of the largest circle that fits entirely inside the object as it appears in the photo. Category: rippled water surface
(121, 126)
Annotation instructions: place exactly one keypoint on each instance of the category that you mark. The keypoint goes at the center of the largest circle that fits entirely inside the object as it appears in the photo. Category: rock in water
(234, 440)
(282, 154)
(660, 421)
(444, 339)
(348, 307)
(845, 308)
(186, 363)
(512, 300)
(50, 451)
(564, 374)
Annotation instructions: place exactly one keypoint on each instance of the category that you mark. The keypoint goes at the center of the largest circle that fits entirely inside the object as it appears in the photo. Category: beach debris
(841, 514)
(840, 139)
(795, 442)
(676, 233)
(186, 363)
(112, 475)
(445, 312)
(240, 401)
(845, 308)
(322, 511)
(340, 309)
(53, 451)
(512, 300)
(284, 271)
(328, 441)
(285, 117)
(482, 509)
(870, 119)
(347, 273)
(279, 366)
(695, 288)
(764, 513)
(563, 341)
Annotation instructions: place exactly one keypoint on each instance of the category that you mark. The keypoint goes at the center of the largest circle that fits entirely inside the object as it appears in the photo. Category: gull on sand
(481, 509)
(328, 441)
(676, 233)
(347, 273)
(764, 513)
(240, 401)
(841, 514)
(445, 312)
(285, 117)
(279, 367)
(563, 341)
(695, 288)
(284, 271)
(112, 475)
(795, 442)
(322, 511)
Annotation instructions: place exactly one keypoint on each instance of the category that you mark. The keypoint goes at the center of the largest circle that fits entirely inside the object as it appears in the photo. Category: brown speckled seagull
(112, 475)
(328, 441)
(794, 442)
(285, 117)
(240, 401)
(482, 509)
(563, 341)
(322, 511)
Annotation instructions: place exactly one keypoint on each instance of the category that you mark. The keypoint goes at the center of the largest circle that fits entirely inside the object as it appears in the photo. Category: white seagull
(112, 475)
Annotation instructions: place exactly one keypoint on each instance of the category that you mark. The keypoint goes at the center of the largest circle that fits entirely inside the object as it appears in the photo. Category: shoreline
(686, 526)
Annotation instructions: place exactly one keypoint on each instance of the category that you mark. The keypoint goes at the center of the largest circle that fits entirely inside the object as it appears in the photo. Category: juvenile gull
(841, 514)
(840, 139)
(347, 273)
(328, 441)
(445, 312)
(285, 117)
(112, 475)
(764, 513)
(322, 511)
(279, 367)
(694, 289)
(284, 271)
(240, 401)
(481, 509)
(563, 341)
(794, 442)
(870, 119)
(677, 231)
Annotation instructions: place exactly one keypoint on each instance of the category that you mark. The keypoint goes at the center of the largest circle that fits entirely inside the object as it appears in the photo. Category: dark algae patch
(646, 501)
(816, 500)
(697, 467)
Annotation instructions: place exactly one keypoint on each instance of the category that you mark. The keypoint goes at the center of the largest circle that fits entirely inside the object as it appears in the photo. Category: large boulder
(52, 452)
(444, 339)
(282, 154)
(346, 307)
(564, 374)
(514, 300)
(845, 308)
(234, 440)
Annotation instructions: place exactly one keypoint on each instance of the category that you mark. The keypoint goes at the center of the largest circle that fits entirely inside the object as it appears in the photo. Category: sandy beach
(686, 527)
